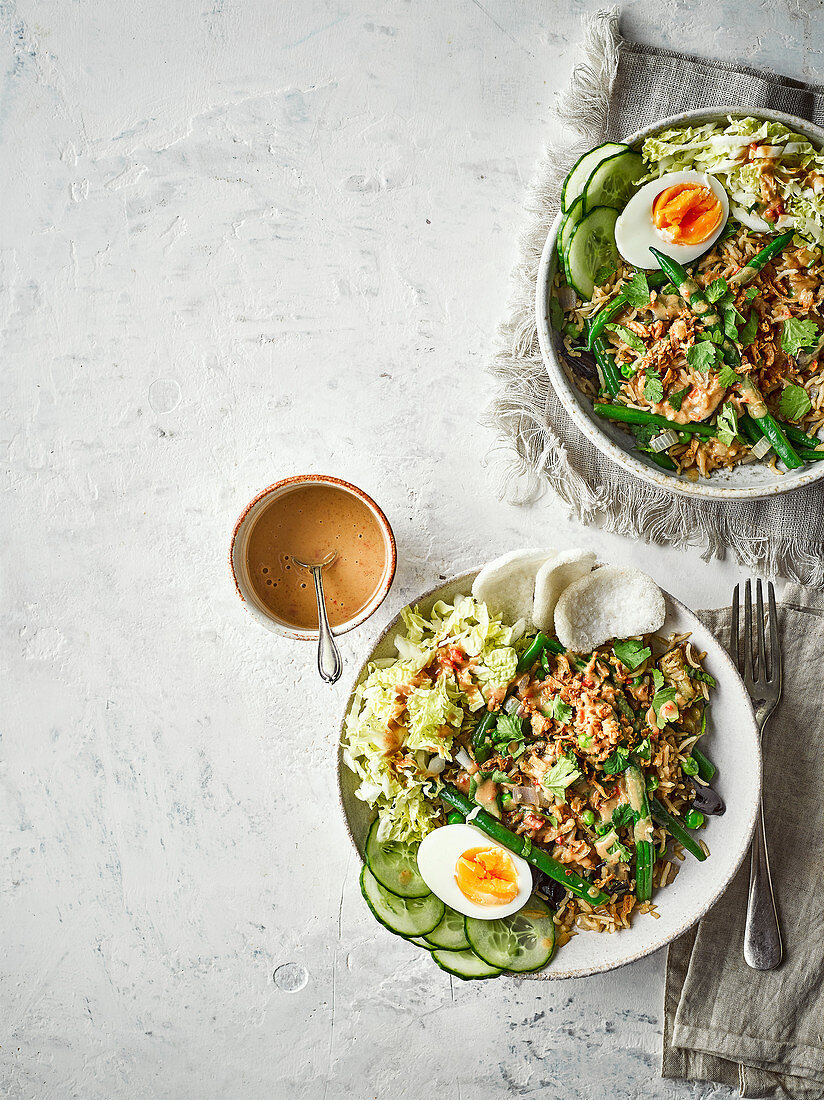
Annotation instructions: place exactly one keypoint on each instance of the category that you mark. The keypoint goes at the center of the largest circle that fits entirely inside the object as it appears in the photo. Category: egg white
(635, 230)
(439, 853)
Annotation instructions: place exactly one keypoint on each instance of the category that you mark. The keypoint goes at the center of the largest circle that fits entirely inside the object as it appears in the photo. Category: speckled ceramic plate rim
(572, 399)
(732, 680)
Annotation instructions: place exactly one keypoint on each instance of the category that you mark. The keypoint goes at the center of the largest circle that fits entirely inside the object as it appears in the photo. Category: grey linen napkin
(616, 89)
(763, 1032)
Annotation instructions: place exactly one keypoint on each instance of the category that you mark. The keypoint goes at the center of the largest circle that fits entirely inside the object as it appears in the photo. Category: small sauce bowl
(239, 549)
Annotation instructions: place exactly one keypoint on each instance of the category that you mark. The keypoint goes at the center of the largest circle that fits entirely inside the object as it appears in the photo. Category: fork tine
(748, 662)
(734, 629)
(763, 673)
(775, 650)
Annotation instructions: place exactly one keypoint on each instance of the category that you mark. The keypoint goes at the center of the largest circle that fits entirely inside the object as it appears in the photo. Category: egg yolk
(486, 876)
(687, 213)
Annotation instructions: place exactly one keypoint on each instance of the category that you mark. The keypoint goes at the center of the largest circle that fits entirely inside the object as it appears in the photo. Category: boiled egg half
(473, 874)
(681, 214)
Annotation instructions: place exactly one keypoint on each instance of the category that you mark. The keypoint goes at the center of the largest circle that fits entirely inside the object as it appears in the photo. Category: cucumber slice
(524, 941)
(576, 181)
(571, 219)
(419, 941)
(404, 916)
(464, 965)
(394, 864)
(591, 248)
(450, 933)
(614, 181)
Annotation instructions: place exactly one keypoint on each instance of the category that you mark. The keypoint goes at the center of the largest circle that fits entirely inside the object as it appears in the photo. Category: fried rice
(792, 286)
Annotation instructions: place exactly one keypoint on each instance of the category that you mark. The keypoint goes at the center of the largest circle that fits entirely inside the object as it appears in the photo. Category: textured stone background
(242, 240)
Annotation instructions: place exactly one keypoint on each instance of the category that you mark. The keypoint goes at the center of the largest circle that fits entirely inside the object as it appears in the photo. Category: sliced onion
(567, 298)
(436, 765)
(512, 704)
(527, 796)
(761, 448)
(464, 759)
(664, 441)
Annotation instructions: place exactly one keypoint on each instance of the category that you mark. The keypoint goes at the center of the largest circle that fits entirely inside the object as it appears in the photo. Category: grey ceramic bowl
(733, 745)
(741, 483)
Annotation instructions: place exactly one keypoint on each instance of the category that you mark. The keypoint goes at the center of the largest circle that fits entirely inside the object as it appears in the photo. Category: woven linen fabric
(763, 1031)
(616, 89)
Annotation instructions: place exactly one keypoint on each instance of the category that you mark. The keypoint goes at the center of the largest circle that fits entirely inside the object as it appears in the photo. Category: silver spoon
(330, 665)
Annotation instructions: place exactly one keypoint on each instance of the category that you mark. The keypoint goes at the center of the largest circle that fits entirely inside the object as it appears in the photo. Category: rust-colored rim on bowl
(381, 592)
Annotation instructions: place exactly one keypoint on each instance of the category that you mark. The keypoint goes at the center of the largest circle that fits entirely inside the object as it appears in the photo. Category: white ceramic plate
(733, 745)
(741, 483)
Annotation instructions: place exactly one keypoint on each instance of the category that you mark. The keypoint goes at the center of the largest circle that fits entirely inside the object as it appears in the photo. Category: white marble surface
(242, 240)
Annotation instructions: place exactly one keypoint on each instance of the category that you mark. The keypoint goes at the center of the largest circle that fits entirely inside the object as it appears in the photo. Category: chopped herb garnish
(623, 853)
(747, 334)
(500, 777)
(559, 710)
(797, 334)
(716, 289)
(657, 679)
(643, 750)
(629, 337)
(637, 290)
(676, 399)
(727, 376)
(617, 761)
(653, 386)
(604, 274)
(732, 319)
(559, 777)
(663, 700)
(644, 433)
(726, 425)
(508, 728)
(750, 293)
(631, 652)
(622, 815)
(702, 356)
(794, 402)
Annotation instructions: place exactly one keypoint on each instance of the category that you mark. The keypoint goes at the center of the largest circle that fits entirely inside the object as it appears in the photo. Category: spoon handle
(330, 665)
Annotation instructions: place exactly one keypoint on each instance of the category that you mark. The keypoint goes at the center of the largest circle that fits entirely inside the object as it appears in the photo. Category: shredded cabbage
(390, 763)
(792, 163)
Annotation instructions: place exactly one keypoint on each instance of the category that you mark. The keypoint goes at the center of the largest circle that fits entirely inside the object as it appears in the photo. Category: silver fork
(762, 677)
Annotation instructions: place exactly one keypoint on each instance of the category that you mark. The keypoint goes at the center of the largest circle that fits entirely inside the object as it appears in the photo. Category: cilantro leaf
(623, 853)
(643, 750)
(746, 335)
(657, 679)
(702, 356)
(559, 710)
(622, 815)
(629, 337)
(664, 699)
(727, 376)
(498, 776)
(509, 728)
(726, 425)
(676, 399)
(716, 289)
(798, 334)
(556, 314)
(559, 777)
(732, 319)
(750, 293)
(653, 387)
(617, 761)
(637, 290)
(794, 402)
(631, 653)
(644, 433)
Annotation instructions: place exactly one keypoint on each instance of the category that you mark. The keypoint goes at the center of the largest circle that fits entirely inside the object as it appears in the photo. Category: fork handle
(762, 936)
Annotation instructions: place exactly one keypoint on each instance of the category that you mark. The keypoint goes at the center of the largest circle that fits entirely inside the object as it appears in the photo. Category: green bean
(606, 361)
(810, 456)
(706, 768)
(795, 435)
(626, 415)
(661, 459)
(642, 832)
(749, 428)
(481, 748)
(751, 268)
(677, 830)
(456, 818)
(522, 846)
(536, 648)
(767, 423)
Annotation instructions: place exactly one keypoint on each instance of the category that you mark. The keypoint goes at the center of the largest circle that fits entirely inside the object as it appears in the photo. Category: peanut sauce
(309, 521)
